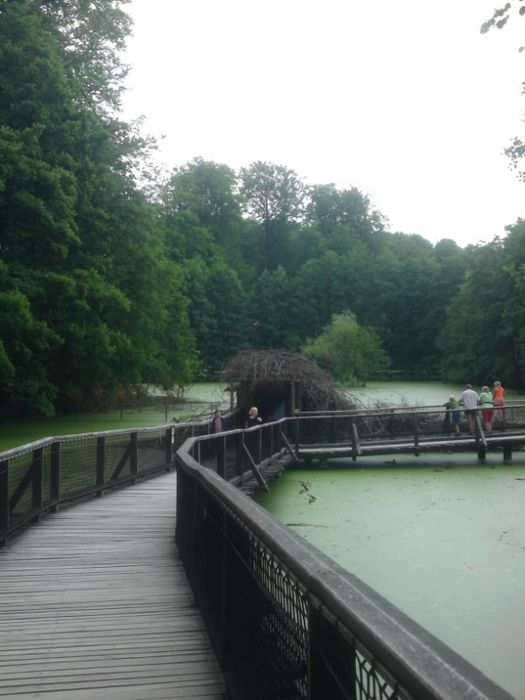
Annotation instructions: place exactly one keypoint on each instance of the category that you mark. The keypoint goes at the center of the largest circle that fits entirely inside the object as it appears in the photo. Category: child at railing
(451, 415)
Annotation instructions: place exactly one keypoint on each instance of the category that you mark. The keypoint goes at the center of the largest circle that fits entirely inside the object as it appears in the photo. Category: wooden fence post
(221, 455)
(239, 454)
(4, 501)
(55, 476)
(259, 446)
(169, 449)
(134, 457)
(101, 464)
(37, 483)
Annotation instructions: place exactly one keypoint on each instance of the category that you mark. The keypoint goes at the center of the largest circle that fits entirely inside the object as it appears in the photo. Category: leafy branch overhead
(502, 15)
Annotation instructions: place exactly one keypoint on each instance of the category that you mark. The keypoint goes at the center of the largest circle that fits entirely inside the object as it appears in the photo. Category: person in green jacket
(487, 410)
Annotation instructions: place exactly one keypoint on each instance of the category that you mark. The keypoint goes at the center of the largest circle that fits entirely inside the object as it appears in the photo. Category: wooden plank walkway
(94, 604)
(435, 443)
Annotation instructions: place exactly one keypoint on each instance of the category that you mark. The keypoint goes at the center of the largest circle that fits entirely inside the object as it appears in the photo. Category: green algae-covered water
(199, 398)
(444, 541)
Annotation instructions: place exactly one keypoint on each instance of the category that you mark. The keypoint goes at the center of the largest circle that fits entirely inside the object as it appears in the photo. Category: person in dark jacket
(218, 423)
(253, 418)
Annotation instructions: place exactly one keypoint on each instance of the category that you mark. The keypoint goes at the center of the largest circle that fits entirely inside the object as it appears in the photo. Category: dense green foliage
(352, 353)
(108, 280)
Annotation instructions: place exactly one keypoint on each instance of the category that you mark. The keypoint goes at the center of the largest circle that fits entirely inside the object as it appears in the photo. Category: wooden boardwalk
(94, 604)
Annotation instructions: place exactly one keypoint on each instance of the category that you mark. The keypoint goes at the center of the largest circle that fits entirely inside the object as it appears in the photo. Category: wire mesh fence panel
(152, 450)
(207, 570)
(46, 475)
(20, 484)
(266, 637)
(332, 657)
(373, 682)
(184, 526)
(77, 467)
(117, 458)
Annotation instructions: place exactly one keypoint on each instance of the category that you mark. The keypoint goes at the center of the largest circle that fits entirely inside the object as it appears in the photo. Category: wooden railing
(285, 620)
(37, 478)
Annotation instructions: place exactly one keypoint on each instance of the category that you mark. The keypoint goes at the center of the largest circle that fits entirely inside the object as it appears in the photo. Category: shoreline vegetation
(115, 273)
(201, 399)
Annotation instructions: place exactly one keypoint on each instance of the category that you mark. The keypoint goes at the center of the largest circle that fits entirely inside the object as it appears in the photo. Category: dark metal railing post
(323, 636)
(193, 534)
(297, 433)
(134, 457)
(416, 436)
(259, 446)
(4, 501)
(55, 476)
(243, 456)
(223, 619)
(101, 464)
(239, 452)
(37, 483)
(221, 455)
(353, 433)
(169, 448)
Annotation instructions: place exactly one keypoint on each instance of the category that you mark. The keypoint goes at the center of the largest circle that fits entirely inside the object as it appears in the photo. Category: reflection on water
(444, 542)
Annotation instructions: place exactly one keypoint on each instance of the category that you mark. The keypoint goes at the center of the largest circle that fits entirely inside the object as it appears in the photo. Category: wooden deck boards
(380, 446)
(94, 604)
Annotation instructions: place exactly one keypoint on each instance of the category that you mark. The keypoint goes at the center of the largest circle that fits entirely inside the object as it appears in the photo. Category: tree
(351, 352)
(202, 212)
(88, 299)
(483, 338)
(346, 212)
(274, 196)
(516, 151)
(92, 37)
(270, 310)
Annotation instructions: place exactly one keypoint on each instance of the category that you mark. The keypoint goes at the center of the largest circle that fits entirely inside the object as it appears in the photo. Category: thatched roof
(262, 367)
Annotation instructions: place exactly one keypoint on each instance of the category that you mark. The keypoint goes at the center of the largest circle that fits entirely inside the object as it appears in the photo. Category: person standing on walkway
(485, 402)
(218, 423)
(452, 414)
(253, 417)
(498, 397)
(469, 399)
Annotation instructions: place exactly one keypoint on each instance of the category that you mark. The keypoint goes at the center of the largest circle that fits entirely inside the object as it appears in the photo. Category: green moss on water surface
(443, 540)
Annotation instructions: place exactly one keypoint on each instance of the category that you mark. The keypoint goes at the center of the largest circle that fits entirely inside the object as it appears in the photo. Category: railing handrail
(71, 437)
(421, 662)
(396, 410)
(350, 413)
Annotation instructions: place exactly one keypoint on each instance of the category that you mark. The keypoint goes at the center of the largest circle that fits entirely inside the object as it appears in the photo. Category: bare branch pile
(263, 367)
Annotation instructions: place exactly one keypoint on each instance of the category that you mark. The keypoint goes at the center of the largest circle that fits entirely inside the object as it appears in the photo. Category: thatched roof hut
(280, 382)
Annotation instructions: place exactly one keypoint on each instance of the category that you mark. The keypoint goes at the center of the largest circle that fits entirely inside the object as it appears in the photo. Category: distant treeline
(112, 274)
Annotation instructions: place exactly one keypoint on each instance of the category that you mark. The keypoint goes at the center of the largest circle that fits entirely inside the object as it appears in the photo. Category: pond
(442, 540)
(439, 536)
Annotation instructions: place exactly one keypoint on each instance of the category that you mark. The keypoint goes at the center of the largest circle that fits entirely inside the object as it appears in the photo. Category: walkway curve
(94, 604)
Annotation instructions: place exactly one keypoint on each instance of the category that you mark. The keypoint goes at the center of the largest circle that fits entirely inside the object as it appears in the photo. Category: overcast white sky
(404, 100)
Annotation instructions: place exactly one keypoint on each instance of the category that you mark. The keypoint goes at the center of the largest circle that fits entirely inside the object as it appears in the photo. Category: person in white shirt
(469, 399)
